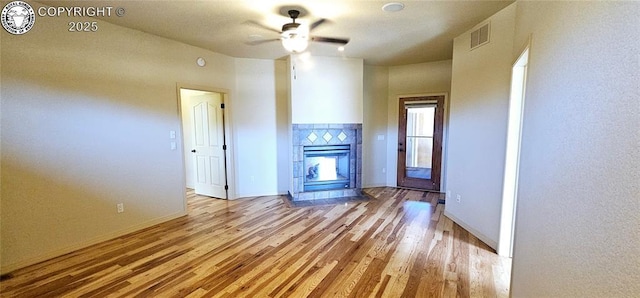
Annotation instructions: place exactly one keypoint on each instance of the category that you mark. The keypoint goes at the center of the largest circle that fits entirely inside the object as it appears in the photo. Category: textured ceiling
(422, 32)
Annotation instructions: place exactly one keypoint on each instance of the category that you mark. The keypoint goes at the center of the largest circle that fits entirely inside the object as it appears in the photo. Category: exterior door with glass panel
(420, 142)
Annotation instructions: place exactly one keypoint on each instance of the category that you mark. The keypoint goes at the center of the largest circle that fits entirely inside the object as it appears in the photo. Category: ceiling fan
(294, 37)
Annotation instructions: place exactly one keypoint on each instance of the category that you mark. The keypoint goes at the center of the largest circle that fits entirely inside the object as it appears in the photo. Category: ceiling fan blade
(259, 42)
(342, 41)
(256, 24)
(316, 24)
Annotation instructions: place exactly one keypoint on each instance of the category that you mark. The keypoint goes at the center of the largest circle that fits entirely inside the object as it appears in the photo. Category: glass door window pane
(419, 142)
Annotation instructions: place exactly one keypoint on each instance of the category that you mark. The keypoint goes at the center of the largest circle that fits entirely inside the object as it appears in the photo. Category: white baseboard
(253, 195)
(59, 252)
(482, 237)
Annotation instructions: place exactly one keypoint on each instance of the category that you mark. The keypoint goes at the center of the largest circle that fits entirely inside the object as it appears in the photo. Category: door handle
(400, 148)
(194, 150)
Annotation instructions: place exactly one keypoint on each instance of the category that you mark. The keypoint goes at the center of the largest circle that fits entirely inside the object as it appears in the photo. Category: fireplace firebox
(326, 167)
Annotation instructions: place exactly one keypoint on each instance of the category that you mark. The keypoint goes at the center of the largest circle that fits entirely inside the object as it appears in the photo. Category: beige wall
(578, 213)
(478, 113)
(283, 119)
(260, 127)
(413, 79)
(85, 125)
(326, 90)
(374, 127)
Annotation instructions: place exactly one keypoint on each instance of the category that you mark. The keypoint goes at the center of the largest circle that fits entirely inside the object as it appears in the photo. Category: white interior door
(208, 141)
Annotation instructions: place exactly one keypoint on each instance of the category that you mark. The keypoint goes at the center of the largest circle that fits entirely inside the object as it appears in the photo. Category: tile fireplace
(327, 161)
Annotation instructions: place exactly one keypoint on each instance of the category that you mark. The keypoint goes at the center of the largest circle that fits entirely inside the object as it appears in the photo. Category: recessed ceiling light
(201, 62)
(341, 49)
(393, 7)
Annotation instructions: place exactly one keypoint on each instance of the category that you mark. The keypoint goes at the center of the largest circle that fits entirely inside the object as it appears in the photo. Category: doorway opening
(202, 113)
(420, 130)
(512, 158)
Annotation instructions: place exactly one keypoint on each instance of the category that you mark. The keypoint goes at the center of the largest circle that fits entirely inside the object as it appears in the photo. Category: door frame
(438, 141)
(228, 132)
(517, 100)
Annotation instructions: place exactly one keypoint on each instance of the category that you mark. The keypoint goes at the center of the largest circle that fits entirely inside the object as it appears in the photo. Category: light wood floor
(397, 244)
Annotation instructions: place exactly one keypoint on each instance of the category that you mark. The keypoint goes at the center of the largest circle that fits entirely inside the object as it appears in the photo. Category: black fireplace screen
(326, 167)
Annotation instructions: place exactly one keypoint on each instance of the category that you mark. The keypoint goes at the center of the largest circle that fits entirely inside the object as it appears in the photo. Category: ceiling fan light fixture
(393, 7)
(295, 40)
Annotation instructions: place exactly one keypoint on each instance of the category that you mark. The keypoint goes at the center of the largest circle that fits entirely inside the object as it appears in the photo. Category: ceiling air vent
(480, 36)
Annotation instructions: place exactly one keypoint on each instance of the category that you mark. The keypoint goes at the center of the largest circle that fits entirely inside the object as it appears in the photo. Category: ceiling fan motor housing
(290, 26)
(294, 14)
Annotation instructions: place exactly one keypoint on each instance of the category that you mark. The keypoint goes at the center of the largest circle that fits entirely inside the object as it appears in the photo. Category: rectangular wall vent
(480, 36)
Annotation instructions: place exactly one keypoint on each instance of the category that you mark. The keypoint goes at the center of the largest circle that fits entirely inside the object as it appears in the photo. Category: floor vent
(480, 36)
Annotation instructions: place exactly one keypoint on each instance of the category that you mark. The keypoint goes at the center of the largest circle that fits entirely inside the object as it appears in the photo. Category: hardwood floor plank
(382, 286)
(501, 277)
(397, 243)
(461, 260)
(369, 279)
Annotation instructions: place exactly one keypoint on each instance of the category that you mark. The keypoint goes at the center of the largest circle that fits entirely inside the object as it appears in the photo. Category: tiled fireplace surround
(322, 135)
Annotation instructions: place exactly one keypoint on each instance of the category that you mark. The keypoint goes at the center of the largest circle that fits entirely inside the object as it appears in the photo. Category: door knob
(194, 150)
